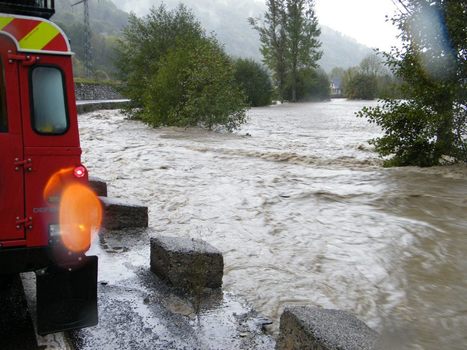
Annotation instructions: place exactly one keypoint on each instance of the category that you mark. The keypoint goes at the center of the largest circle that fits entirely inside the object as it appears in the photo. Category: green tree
(146, 41)
(289, 41)
(347, 78)
(255, 82)
(431, 121)
(321, 88)
(194, 86)
(362, 82)
(389, 87)
(302, 31)
(372, 65)
(361, 86)
(274, 42)
(312, 85)
(370, 80)
(337, 73)
(176, 75)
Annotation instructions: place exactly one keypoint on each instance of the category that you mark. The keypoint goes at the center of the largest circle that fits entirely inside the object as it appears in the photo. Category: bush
(255, 82)
(312, 85)
(369, 80)
(320, 89)
(176, 75)
(361, 87)
(194, 86)
(408, 134)
(431, 122)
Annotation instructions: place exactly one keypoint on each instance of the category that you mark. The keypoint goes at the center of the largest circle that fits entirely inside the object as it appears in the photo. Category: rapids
(304, 213)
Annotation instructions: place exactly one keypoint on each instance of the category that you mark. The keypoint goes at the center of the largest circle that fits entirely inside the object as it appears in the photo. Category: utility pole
(87, 38)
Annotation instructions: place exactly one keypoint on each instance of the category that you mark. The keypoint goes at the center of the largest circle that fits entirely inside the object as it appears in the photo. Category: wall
(94, 91)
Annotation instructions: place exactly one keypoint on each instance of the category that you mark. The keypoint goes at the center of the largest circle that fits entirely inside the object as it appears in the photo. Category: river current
(304, 213)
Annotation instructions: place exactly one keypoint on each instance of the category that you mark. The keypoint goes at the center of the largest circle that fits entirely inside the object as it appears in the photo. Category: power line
(398, 4)
(88, 57)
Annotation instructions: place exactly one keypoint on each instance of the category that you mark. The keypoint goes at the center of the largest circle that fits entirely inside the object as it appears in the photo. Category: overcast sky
(363, 20)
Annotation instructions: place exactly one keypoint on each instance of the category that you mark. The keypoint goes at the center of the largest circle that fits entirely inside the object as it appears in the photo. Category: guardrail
(91, 106)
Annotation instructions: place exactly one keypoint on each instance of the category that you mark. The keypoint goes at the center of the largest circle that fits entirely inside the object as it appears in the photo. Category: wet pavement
(138, 311)
(16, 327)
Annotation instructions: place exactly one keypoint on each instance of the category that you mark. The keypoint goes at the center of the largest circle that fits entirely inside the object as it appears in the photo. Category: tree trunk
(445, 138)
(281, 90)
(294, 83)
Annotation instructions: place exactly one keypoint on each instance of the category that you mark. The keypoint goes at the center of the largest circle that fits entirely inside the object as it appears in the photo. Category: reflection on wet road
(304, 213)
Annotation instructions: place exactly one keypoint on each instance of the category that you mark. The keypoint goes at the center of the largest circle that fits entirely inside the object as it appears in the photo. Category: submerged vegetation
(367, 81)
(431, 123)
(255, 82)
(177, 75)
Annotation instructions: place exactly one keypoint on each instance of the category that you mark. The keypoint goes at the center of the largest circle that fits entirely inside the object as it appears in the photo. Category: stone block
(118, 215)
(187, 263)
(90, 91)
(308, 328)
(99, 186)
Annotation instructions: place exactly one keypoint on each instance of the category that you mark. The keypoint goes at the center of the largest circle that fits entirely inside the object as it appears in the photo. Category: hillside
(106, 18)
(340, 50)
(228, 19)
(107, 21)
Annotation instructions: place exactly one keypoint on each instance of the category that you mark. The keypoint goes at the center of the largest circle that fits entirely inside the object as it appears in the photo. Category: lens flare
(429, 32)
(57, 182)
(80, 217)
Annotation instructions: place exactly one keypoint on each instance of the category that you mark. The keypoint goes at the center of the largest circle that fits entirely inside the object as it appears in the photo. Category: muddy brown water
(304, 213)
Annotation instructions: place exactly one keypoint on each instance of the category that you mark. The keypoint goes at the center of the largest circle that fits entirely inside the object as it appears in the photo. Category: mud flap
(67, 299)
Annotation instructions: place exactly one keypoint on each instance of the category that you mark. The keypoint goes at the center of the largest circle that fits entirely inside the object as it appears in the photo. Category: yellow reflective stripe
(39, 37)
(4, 21)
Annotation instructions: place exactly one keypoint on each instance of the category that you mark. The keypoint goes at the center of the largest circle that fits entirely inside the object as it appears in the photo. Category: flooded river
(304, 214)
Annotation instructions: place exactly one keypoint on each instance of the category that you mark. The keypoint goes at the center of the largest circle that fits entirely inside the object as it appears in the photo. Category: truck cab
(40, 156)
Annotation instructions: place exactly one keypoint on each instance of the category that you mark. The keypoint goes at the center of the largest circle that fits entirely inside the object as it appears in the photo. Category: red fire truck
(40, 153)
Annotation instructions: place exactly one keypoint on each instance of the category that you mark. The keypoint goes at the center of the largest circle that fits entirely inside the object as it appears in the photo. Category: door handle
(26, 60)
(22, 163)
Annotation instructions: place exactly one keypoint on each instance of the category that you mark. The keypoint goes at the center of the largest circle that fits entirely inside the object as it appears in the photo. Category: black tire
(6, 281)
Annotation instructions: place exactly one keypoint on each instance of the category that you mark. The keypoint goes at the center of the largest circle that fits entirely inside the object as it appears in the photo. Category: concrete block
(187, 263)
(98, 185)
(119, 215)
(308, 328)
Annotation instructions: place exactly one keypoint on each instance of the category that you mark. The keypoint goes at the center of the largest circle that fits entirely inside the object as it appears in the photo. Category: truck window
(49, 110)
(3, 114)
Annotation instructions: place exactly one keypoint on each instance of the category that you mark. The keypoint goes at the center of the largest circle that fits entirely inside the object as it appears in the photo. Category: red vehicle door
(50, 136)
(12, 207)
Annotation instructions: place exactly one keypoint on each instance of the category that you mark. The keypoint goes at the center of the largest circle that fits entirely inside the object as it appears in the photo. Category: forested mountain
(107, 21)
(340, 50)
(228, 19)
(106, 18)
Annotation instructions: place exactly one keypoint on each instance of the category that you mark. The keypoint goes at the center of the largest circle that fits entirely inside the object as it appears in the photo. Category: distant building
(336, 87)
